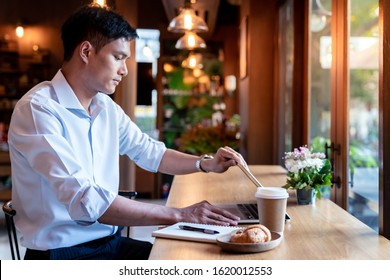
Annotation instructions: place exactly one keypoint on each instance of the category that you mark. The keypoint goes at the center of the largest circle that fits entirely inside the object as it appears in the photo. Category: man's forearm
(126, 212)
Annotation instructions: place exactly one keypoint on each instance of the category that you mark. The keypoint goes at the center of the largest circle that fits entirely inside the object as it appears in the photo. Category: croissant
(251, 234)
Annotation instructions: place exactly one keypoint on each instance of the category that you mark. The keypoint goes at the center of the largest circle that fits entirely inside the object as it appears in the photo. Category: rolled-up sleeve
(145, 151)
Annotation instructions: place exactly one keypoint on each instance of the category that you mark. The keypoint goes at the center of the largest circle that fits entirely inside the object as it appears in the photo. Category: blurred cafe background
(263, 77)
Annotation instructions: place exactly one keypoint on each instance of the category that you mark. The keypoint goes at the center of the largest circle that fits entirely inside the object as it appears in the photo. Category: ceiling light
(190, 41)
(147, 51)
(192, 61)
(168, 68)
(187, 20)
(101, 3)
(19, 31)
(230, 83)
(197, 72)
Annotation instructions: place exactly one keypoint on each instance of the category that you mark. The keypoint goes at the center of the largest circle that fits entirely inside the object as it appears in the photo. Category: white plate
(225, 244)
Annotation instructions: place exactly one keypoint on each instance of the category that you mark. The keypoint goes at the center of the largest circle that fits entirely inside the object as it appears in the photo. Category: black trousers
(114, 247)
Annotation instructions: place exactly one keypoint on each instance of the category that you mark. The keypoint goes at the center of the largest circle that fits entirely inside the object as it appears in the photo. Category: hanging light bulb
(197, 72)
(19, 31)
(194, 60)
(168, 68)
(101, 3)
(190, 41)
(147, 51)
(187, 20)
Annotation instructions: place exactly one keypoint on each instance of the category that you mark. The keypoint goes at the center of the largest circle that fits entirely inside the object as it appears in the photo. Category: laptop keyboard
(249, 210)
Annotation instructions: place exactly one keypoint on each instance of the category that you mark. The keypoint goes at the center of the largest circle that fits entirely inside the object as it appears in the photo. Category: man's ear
(85, 50)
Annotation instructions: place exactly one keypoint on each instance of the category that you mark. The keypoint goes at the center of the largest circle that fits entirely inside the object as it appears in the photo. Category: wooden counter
(321, 231)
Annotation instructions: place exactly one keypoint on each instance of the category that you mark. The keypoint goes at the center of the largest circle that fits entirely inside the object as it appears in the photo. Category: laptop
(246, 211)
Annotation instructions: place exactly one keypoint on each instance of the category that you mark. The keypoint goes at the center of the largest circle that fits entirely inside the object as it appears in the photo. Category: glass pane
(147, 51)
(320, 60)
(363, 111)
(286, 54)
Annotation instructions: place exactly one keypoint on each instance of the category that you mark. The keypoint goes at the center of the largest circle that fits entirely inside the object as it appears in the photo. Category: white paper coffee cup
(271, 205)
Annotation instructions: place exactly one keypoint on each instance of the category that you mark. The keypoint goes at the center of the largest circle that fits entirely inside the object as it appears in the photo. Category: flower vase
(305, 196)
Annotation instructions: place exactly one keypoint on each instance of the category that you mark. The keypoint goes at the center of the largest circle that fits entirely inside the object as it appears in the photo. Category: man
(65, 139)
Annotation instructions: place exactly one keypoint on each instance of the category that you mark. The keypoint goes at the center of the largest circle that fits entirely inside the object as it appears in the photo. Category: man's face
(108, 66)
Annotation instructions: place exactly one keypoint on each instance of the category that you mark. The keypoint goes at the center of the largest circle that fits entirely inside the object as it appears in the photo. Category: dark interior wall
(152, 15)
(39, 11)
(42, 20)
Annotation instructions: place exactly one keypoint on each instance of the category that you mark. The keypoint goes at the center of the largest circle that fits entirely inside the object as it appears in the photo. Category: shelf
(9, 71)
(7, 51)
(11, 96)
(18, 74)
(6, 109)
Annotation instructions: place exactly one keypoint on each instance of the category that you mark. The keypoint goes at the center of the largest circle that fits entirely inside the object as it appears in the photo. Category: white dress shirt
(65, 163)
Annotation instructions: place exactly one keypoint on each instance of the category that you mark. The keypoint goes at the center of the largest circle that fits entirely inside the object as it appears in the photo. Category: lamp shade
(187, 20)
(190, 41)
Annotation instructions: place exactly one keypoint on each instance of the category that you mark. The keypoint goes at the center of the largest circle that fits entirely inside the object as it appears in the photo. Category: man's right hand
(206, 213)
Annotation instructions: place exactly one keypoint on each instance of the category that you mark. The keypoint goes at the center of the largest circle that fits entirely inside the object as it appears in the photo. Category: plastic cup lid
(271, 192)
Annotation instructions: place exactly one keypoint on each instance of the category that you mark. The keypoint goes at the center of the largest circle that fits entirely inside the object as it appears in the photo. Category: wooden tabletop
(321, 231)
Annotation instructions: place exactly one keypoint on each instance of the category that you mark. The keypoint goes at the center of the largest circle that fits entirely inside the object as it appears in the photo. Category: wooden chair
(12, 235)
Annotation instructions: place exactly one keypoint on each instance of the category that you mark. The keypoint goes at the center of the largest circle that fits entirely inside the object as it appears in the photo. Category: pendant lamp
(194, 60)
(190, 41)
(187, 20)
(19, 31)
(101, 3)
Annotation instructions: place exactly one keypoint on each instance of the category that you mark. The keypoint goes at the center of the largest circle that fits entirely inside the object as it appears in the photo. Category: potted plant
(308, 172)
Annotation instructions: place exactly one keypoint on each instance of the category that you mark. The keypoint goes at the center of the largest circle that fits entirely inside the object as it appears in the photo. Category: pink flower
(302, 158)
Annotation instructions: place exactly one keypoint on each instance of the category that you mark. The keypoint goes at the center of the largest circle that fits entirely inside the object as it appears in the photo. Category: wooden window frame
(339, 88)
(384, 118)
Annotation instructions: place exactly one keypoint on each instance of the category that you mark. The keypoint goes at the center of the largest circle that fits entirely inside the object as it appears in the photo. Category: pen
(204, 230)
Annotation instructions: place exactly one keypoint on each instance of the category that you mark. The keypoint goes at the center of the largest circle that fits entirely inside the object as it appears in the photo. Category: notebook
(246, 211)
(174, 232)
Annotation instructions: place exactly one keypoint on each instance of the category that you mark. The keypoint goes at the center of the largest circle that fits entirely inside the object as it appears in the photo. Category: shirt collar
(68, 98)
(65, 94)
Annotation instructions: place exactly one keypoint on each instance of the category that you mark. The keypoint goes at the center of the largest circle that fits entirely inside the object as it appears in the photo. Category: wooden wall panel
(257, 89)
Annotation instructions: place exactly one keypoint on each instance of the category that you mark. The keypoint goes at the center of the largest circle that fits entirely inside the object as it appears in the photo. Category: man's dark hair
(96, 24)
